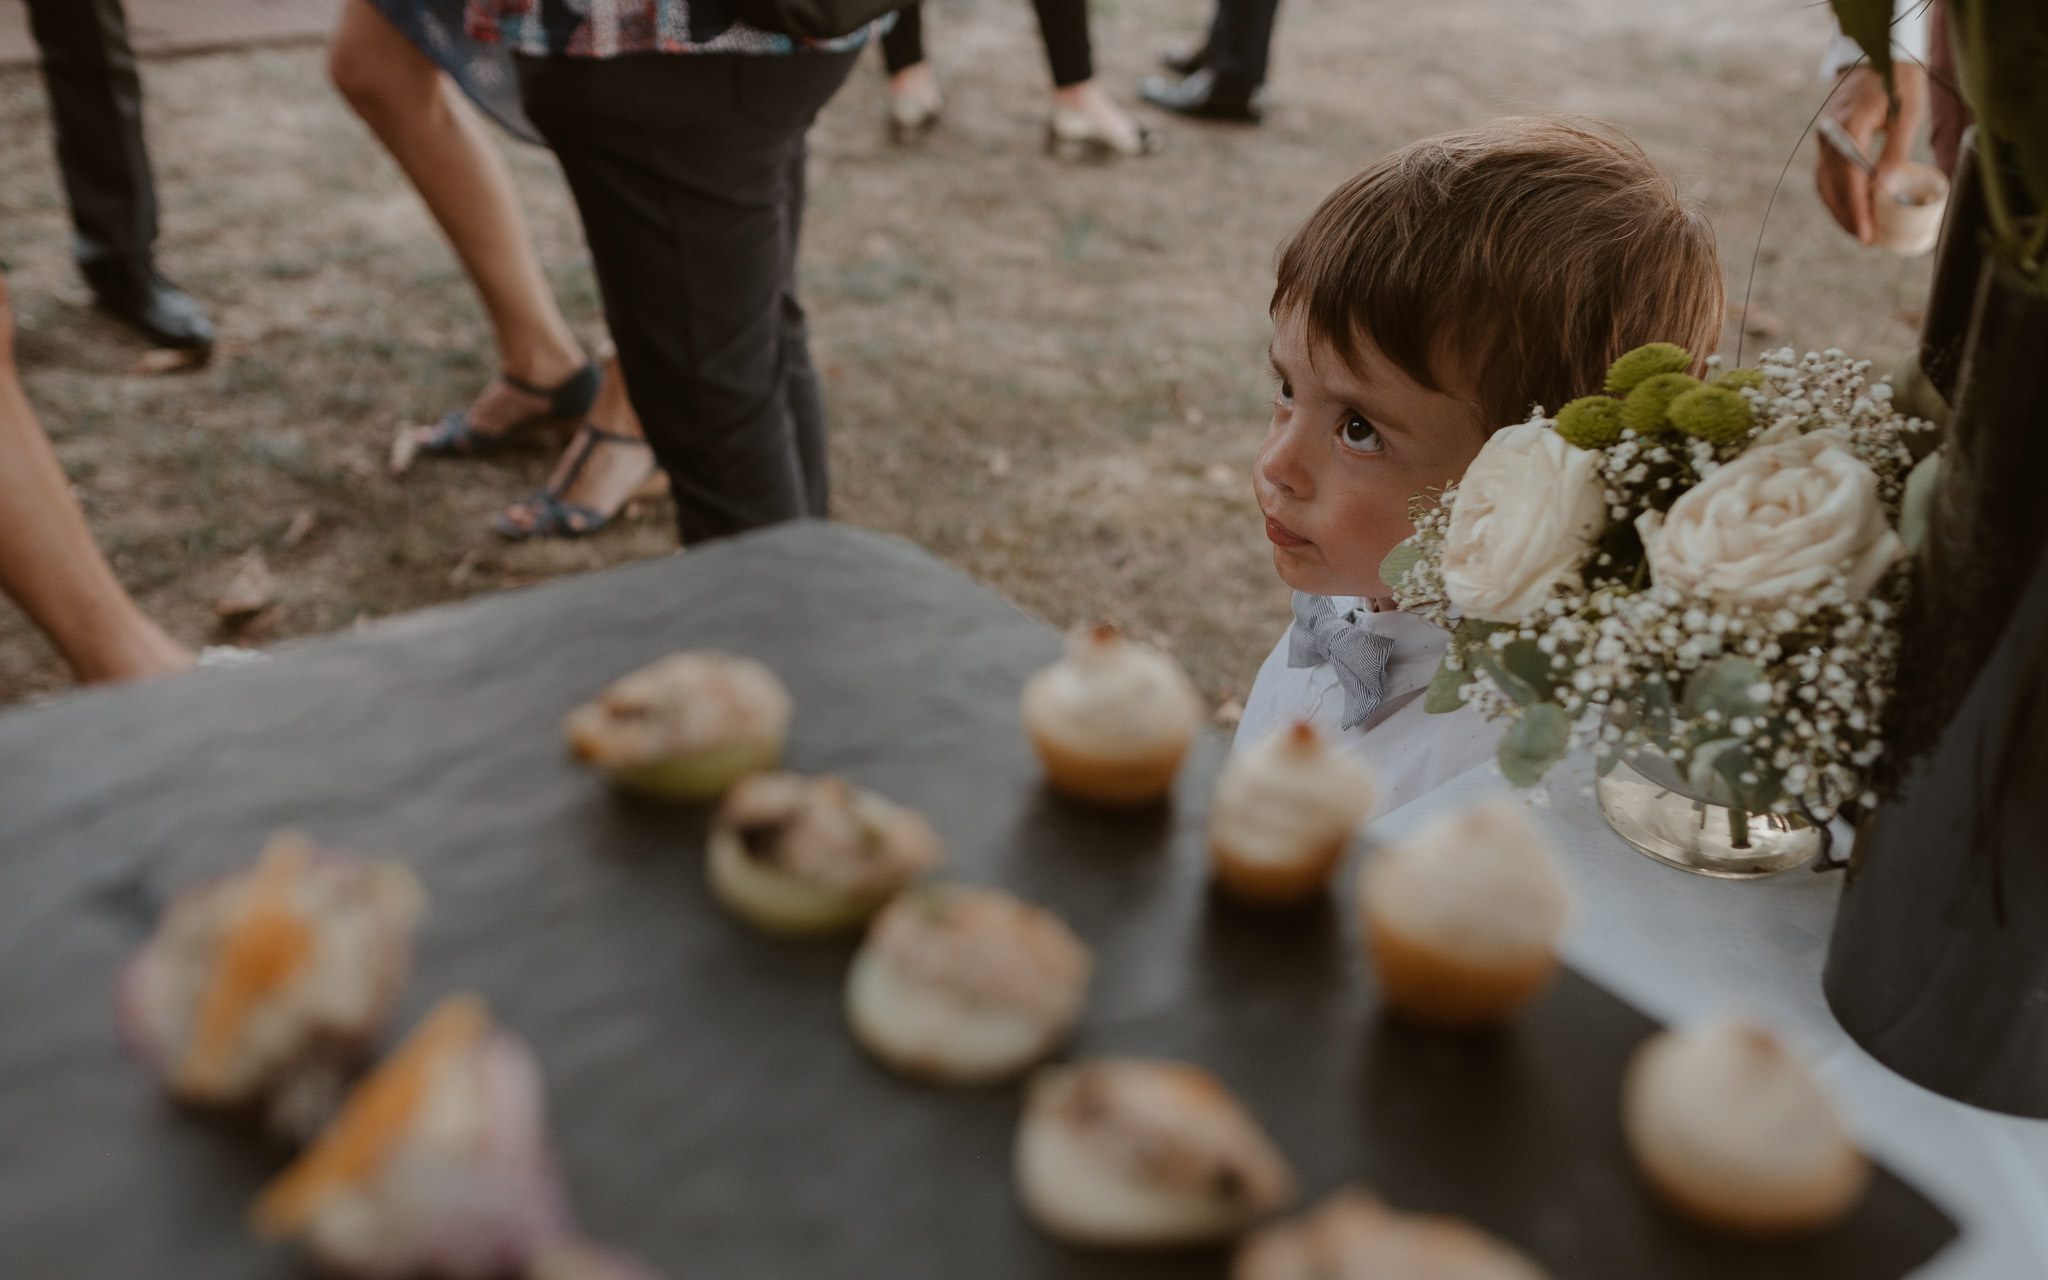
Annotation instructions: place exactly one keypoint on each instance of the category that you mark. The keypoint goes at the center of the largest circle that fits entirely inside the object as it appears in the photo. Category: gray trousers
(688, 170)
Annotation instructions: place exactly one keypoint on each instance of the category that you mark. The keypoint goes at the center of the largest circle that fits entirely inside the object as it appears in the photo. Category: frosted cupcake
(1735, 1132)
(684, 728)
(1282, 814)
(965, 986)
(266, 986)
(796, 855)
(1112, 720)
(1463, 920)
(1135, 1154)
(1352, 1236)
(437, 1165)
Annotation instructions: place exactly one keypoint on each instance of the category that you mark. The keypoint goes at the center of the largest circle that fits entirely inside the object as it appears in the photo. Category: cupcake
(797, 855)
(1735, 1132)
(1462, 921)
(1112, 719)
(1352, 1235)
(1282, 814)
(965, 986)
(263, 988)
(686, 727)
(1134, 1154)
(437, 1165)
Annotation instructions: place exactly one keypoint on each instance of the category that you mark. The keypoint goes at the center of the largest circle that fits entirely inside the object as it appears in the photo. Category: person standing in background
(1224, 77)
(682, 137)
(96, 111)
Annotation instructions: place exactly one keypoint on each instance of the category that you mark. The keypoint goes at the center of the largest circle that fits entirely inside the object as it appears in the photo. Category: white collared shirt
(1409, 750)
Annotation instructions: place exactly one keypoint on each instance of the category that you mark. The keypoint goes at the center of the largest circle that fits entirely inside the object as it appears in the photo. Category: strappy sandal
(553, 515)
(454, 437)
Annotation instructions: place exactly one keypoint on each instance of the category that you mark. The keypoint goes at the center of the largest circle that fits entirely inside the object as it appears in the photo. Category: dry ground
(1051, 374)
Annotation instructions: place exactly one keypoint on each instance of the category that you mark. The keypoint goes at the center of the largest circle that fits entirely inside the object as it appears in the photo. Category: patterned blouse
(609, 28)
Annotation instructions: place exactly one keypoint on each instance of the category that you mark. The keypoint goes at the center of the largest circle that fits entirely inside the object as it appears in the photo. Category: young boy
(1428, 302)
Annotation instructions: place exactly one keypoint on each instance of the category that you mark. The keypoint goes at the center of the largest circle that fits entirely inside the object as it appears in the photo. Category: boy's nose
(1281, 465)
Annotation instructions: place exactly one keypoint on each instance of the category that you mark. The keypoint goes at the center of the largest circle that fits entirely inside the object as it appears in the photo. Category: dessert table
(710, 1112)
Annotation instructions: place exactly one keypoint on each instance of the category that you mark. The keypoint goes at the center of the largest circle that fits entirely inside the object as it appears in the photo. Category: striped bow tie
(1320, 634)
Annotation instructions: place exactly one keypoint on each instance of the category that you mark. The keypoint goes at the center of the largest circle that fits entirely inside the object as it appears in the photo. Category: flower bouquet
(1704, 574)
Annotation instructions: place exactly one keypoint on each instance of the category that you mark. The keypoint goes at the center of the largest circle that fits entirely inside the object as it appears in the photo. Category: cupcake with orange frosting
(1128, 1153)
(803, 856)
(1463, 919)
(437, 1165)
(1353, 1236)
(684, 728)
(965, 986)
(1111, 720)
(1281, 815)
(264, 987)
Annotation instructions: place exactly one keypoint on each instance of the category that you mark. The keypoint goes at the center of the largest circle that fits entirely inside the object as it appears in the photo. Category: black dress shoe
(1184, 57)
(161, 312)
(1204, 97)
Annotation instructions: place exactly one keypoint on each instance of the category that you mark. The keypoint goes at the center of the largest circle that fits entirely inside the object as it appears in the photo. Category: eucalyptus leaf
(1918, 500)
(1446, 689)
(1486, 659)
(1536, 740)
(1701, 769)
(1725, 685)
(1914, 395)
(1531, 666)
(1869, 24)
(1404, 556)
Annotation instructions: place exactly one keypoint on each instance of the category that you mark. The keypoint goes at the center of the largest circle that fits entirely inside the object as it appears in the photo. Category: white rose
(1525, 515)
(1778, 521)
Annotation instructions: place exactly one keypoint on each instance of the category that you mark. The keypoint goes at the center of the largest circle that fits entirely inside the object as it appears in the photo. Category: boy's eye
(1286, 392)
(1360, 436)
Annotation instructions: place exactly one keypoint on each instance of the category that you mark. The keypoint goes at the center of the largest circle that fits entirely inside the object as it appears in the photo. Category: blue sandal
(454, 437)
(556, 517)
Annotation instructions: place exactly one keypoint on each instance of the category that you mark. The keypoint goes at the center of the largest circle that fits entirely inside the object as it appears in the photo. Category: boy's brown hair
(1516, 259)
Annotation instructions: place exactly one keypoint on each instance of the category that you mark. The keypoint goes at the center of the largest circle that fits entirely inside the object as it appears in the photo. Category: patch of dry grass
(1049, 373)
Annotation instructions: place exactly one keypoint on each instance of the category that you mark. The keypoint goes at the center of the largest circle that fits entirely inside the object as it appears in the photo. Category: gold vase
(1650, 806)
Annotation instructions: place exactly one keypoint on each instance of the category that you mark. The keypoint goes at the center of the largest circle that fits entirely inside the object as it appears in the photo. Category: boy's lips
(1282, 536)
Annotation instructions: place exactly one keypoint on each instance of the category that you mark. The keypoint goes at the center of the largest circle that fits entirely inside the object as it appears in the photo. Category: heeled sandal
(1072, 133)
(455, 437)
(553, 515)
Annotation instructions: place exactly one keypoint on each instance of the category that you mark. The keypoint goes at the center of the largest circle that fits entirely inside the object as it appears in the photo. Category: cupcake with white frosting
(1126, 1153)
(1353, 1236)
(438, 1165)
(266, 986)
(1463, 920)
(799, 856)
(965, 986)
(1281, 815)
(684, 728)
(1735, 1132)
(1111, 720)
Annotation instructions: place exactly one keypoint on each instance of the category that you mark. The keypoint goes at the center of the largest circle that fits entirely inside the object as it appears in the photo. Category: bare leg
(49, 563)
(441, 144)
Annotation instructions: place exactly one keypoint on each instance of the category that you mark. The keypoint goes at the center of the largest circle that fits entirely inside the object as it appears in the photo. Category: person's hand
(1859, 104)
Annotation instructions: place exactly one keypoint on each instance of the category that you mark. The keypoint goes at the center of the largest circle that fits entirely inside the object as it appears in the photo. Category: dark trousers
(688, 170)
(1062, 25)
(1240, 37)
(96, 108)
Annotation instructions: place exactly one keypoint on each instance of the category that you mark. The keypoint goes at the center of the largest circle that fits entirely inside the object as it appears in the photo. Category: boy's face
(1351, 442)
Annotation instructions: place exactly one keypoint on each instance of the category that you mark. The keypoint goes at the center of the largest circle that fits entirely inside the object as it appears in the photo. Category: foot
(507, 406)
(161, 312)
(914, 101)
(1203, 96)
(1086, 118)
(1185, 57)
(607, 464)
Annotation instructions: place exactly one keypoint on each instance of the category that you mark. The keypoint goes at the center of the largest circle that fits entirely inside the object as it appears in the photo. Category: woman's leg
(903, 47)
(681, 166)
(442, 146)
(49, 564)
(1082, 111)
(1063, 26)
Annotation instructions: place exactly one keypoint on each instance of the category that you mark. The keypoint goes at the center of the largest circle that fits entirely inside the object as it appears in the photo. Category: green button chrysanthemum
(1716, 414)
(1736, 379)
(1646, 410)
(1629, 372)
(1591, 422)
